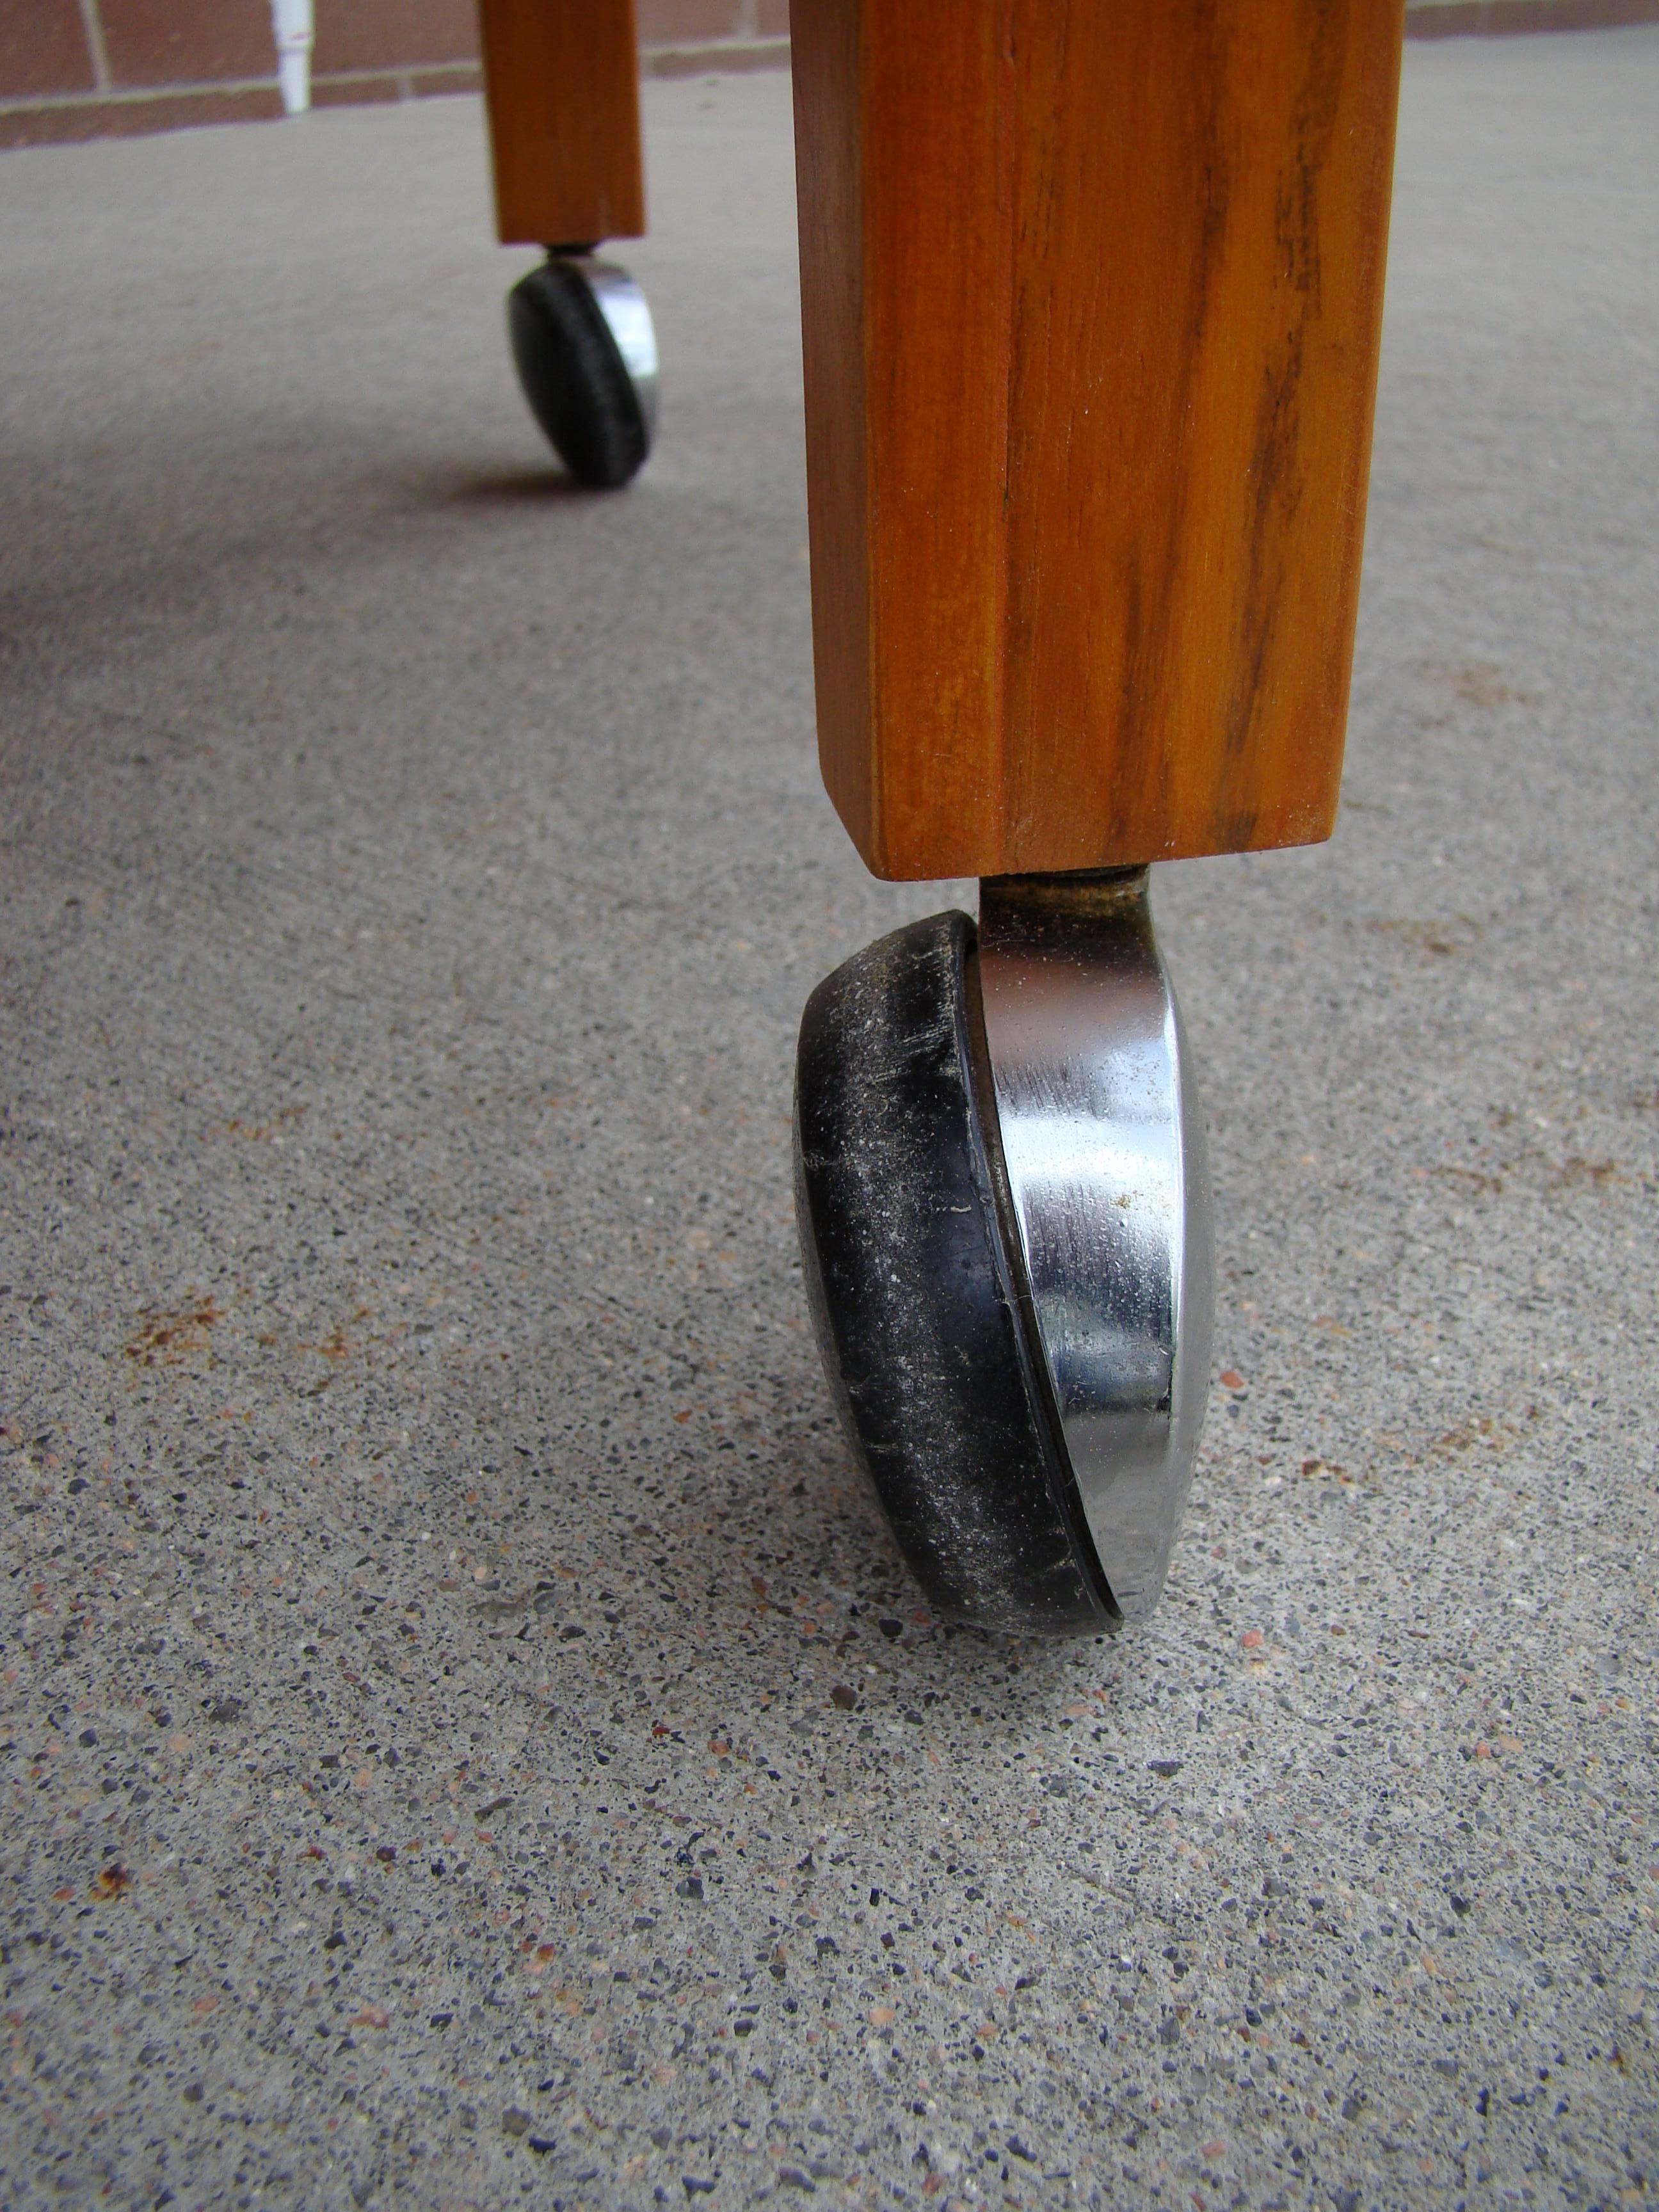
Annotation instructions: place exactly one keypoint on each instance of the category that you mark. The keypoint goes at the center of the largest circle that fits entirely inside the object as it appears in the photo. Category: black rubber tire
(918, 1289)
(575, 378)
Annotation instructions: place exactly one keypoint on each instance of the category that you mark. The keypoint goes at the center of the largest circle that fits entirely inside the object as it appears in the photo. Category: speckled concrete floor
(468, 1737)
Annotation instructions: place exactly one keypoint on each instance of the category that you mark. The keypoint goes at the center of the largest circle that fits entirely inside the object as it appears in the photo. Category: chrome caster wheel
(1004, 1220)
(586, 356)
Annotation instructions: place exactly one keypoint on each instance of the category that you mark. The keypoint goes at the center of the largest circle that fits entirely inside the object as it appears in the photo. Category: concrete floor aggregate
(468, 1737)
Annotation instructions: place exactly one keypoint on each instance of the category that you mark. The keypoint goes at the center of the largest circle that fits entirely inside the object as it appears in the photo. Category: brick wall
(94, 69)
(90, 69)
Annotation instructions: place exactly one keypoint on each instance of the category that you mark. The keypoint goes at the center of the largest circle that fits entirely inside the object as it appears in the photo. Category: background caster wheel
(586, 356)
(1004, 1207)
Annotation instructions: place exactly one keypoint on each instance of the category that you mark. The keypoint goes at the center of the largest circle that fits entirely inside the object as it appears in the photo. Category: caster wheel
(1004, 1207)
(586, 356)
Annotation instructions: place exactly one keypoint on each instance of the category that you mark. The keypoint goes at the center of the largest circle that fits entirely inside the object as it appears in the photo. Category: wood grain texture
(562, 87)
(1091, 295)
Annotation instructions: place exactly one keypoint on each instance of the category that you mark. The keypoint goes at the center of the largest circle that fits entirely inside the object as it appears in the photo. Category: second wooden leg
(563, 80)
(562, 86)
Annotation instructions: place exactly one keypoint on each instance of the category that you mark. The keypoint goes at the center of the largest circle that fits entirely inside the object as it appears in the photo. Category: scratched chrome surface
(1103, 1142)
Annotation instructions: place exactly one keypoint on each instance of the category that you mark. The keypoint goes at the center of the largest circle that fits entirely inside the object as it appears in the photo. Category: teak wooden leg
(562, 87)
(562, 80)
(1091, 297)
(1090, 301)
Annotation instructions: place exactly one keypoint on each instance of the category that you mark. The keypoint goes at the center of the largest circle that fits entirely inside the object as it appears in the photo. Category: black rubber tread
(916, 1291)
(575, 378)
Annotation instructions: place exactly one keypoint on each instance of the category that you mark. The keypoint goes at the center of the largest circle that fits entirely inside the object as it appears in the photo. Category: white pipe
(291, 22)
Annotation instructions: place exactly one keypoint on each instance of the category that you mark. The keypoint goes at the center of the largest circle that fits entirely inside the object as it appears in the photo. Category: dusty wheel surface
(1004, 1212)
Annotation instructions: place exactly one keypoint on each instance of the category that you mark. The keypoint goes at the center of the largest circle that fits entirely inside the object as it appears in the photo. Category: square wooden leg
(1092, 298)
(562, 86)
